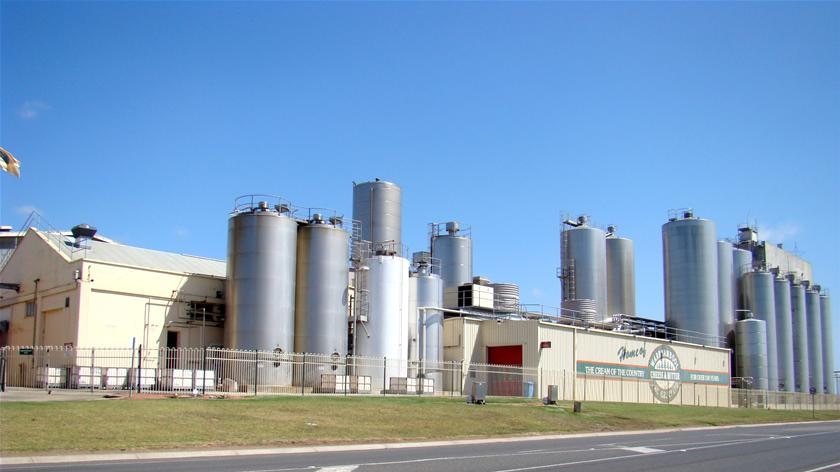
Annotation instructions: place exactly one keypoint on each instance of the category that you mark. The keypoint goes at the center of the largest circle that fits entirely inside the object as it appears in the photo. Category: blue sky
(146, 120)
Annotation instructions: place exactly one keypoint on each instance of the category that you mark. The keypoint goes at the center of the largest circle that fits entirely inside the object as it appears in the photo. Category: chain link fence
(216, 371)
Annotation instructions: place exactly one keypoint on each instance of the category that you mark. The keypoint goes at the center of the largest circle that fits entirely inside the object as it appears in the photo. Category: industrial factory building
(302, 281)
(79, 289)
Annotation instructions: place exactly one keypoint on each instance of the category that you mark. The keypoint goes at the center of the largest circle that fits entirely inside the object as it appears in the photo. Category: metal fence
(217, 371)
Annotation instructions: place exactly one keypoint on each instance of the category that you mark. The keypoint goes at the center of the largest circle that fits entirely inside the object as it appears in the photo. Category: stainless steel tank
(800, 337)
(426, 292)
(814, 329)
(584, 265)
(759, 298)
(260, 285)
(691, 279)
(322, 287)
(726, 310)
(751, 352)
(621, 276)
(377, 206)
(505, 297)
(454, 251)
(784, 334)
(741, 264)
(385, 333)
(827, 345)
(584, 310)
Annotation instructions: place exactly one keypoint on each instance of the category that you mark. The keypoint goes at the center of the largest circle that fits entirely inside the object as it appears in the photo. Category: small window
(30, 308)
(66, 302)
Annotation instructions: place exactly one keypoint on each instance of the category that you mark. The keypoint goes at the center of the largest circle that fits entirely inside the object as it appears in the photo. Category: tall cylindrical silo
(621, 276)
(751, 352)
(584, 265)
(377, 206)
(784, 334)
(760, 300)
(261, 277)
(741, 264)
(454, 251)
(726, 311)
(689, 249)
(385, 333)
(800, 337)
(427, 292)
(814, 329)
(827, 345)
(321, 288)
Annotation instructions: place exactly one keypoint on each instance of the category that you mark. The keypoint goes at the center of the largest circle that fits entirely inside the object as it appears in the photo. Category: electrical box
(553, 395)
(478, 393)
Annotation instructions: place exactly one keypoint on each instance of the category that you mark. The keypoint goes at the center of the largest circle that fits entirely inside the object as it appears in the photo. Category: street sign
(25, 351)
(813, 390)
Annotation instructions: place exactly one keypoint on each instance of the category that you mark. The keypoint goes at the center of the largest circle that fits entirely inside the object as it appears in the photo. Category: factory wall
(595, 365)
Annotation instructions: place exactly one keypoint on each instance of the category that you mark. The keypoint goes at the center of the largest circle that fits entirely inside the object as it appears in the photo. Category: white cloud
(536, 293)
(26, 210)
(779, 234)
(31, 109)
(182, 233)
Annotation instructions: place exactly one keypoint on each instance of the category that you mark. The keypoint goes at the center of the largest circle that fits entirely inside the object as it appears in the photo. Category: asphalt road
(799, 447)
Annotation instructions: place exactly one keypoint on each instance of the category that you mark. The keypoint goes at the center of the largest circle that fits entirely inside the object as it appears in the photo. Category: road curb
(123, 456)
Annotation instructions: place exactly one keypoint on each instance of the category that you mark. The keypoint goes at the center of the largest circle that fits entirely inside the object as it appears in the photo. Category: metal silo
(800, 337)
(584, 264)
(385, 332)
(689, 249)
(427, 292)
(751, 352)
(827, 345)
(621, 275)
(321, 288)
(741, 264)
(784, 334)
(454, 251)
(377, 206)
(726, 310)
(760, 300)
(814, 329)
(261, 277)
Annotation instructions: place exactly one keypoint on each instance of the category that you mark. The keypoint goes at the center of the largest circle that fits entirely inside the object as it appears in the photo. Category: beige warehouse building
(63, 291)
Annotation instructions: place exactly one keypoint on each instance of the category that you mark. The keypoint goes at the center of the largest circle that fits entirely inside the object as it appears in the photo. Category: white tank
(426, 326)
(621, 279)
(726, 307)
(385, 333)
(377, 206)
(583, 256)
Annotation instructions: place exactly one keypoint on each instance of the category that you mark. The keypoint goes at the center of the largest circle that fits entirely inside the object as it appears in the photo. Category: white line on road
(339, 468)
(825, 467)
(553, 466)
(642, 450)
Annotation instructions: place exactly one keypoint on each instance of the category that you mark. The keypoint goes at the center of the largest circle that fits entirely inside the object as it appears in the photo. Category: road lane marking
(825, 467)
(642, 450)
(339, 468)
(552, 466)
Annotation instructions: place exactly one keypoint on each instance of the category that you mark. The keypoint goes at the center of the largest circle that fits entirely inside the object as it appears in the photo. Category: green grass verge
(119, 425)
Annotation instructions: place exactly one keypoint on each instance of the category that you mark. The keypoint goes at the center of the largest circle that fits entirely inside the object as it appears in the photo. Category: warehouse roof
(115, 253)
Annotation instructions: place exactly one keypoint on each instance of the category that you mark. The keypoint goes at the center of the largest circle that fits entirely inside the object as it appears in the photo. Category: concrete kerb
(105, 457)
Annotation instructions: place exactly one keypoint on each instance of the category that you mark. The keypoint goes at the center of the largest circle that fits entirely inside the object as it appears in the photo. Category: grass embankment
(194, 423)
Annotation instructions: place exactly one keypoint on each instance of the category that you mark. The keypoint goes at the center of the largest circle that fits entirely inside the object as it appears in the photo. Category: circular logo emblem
(664, 367)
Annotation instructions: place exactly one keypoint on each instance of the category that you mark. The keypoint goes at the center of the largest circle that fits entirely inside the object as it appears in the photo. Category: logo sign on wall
(665, 374)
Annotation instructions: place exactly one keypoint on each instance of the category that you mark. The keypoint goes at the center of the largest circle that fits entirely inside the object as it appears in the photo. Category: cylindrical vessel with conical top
(262, 252)
(726, 311)
(321, 288)
(377, 206)
(454, 251)
(759, 299)
(751, 353)
(800, 337)
(815, 350)
(584, 265)
(827, 345)
(691, 279)
(621, 279)
(784, 334)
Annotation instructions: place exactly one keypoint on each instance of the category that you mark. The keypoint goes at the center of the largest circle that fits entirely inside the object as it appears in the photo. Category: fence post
(303, 375)
(256, 371)
(384, 373)
(139, 375)
(204, 370)
(604, 389)
(92, 358)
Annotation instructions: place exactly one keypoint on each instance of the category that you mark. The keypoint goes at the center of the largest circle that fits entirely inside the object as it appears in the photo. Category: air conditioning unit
(478, 393)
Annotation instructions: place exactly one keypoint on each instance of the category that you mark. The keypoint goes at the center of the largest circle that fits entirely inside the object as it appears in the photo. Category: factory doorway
(171, 349)
(504, 376)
